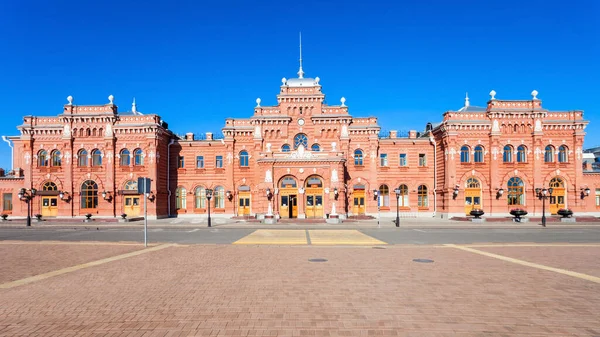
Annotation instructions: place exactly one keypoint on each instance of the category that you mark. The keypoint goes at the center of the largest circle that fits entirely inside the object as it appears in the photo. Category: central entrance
(50, 199)
(472, 195)
(557, 199)
(314, 197)
(244, 201)
(288, 198)
(358, 196)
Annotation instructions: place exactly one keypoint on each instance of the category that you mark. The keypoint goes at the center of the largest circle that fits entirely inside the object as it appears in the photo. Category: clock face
(301, 122)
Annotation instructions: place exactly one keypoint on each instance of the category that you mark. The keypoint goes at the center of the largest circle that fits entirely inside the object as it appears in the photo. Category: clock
(301, 122)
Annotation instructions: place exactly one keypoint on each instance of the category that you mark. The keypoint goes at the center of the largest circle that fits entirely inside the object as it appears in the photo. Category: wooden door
(244, 204)
(472, 199)
(49, 206)
(294, 206)
(132, 206)
(557, 200)
(358, 206)
(314, 206)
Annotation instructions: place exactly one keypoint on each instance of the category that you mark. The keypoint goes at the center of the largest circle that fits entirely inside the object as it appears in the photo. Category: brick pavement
(230, 290)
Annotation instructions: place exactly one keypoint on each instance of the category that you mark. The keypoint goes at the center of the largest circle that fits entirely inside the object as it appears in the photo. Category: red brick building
(301, 158)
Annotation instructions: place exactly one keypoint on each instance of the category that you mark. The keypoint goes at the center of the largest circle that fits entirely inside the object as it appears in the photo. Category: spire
(300, 71)
(133, 108)
(467, 100)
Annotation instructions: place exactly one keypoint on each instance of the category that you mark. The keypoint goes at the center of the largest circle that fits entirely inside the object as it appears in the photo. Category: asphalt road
(389, 235)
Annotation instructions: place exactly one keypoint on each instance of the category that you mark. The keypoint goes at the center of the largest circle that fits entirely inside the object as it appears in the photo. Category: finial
(110, 99)
(343, 100)
(133, 107)
(300, 71)
(317, 79)
(70, 99)
(283, 81)
(467, 100)
(493, 94)
(534, 94)
(258, 102)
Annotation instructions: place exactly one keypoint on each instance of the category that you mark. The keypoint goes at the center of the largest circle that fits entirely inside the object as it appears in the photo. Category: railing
(385, 134)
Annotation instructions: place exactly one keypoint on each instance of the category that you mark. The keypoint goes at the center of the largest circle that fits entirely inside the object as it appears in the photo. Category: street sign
(143, 189)
(143, 185)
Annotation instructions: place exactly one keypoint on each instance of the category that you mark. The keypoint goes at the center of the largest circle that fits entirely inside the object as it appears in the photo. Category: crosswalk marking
(308, 237)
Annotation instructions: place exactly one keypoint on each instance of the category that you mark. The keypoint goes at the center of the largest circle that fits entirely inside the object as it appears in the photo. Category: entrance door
(244, 204)
(557, 200)
(314, 206)
(132, 206)
(472, 200)
(49, 206)
(358, 206)
(288, 208)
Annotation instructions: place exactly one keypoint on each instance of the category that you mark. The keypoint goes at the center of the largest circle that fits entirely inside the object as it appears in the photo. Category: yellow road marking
(80, 266)
(274, 237)
(529, 264)
(342, 237)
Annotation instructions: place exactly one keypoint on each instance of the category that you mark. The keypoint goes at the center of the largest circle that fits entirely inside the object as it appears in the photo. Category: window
(285, 148)
(219, 197)
(219, 162)
(125, 158)
(515, 191)
(549, 154)
(383, 160)
(478, 156)
(473, 183)
(56, 158)
(598, 197)
(181, 162)
(244, 159)
(130, 185)
(89, 194)
(82, 158)
(96, 158)
(507, 154)
(200, 197)
(180, 198)
(42, 158)
(199, 161)
(422, 159)
(464, 154)
(315, 148)
(358, 157)
(300, 139)
(402, 159)
(7, 202)
(384, 196)
(49, 186)
(521, 154)
(403, 200)
(423, 200)
(288, 182)
(563, 154)
(138, 157)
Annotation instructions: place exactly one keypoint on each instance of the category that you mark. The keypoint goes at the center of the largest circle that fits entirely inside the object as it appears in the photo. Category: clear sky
(198, 62)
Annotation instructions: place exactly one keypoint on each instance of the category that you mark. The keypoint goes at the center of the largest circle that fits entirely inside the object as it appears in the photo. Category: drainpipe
(169, 176)
(12, 159)
(432, 141)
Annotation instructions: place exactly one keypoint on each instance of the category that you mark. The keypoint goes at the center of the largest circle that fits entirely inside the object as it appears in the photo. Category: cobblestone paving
(230, 290)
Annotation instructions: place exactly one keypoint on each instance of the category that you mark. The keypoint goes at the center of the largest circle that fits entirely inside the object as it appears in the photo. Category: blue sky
(198, 62)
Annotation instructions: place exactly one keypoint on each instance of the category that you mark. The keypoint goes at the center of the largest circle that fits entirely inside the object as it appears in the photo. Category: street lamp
(543, 194)
(397, 191)
(26, 195)
(209, 194)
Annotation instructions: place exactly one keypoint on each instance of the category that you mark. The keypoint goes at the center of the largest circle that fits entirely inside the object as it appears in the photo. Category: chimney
(412, 134)
(393, 134)
(209, 136)
(189, 136)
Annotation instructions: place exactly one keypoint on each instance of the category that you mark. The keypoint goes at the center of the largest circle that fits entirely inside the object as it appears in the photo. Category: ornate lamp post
(26, 195)
(209, 194)
(543, 194)
(397, 191)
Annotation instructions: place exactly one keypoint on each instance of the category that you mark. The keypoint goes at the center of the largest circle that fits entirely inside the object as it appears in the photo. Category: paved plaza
(266, 284)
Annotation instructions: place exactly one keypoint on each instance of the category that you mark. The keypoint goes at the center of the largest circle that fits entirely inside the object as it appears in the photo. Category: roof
(472, 108)
(302, 82)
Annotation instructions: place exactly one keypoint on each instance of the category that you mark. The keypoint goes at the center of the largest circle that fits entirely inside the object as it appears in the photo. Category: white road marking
(419, 230)
(194, 230)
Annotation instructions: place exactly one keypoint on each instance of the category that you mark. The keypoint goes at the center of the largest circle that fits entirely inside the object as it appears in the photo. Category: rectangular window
(383, 160)
(219, 162)
(7, 202)
(598, 197)
(402, 159)
(181, 162)
(199, 161)
(422, 159)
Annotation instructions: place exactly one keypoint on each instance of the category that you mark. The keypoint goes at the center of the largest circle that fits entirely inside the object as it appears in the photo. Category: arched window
(219, 197)
(403, 200)
(549, 154)
(200, 197)
(557, 182)
(138, 157)
(563, 156)
(130, 185)
(384, 196)
(300, 139)
(521, 154)
(314, 182)
(125, 158)
(515, 191)
(464, 154)
(42, 158)
(507, 154)
(473, 183)
(244, 159)
(94, 132)
(288, 182)
(88, 132)
(49, 186)
(56, 158)
(181, 198)
(315, 148)
(82, 158)
(285, 148)
(478, 157)
(358, 157)
(423, 200)
(96, 158)
(89, 194)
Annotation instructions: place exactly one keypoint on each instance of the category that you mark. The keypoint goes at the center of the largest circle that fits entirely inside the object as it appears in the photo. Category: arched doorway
(472, 195)
(557, 199)
(49, 199)
(288, 197)
(358, 203)
(244, 200)
(131, 199)
(314, 197)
